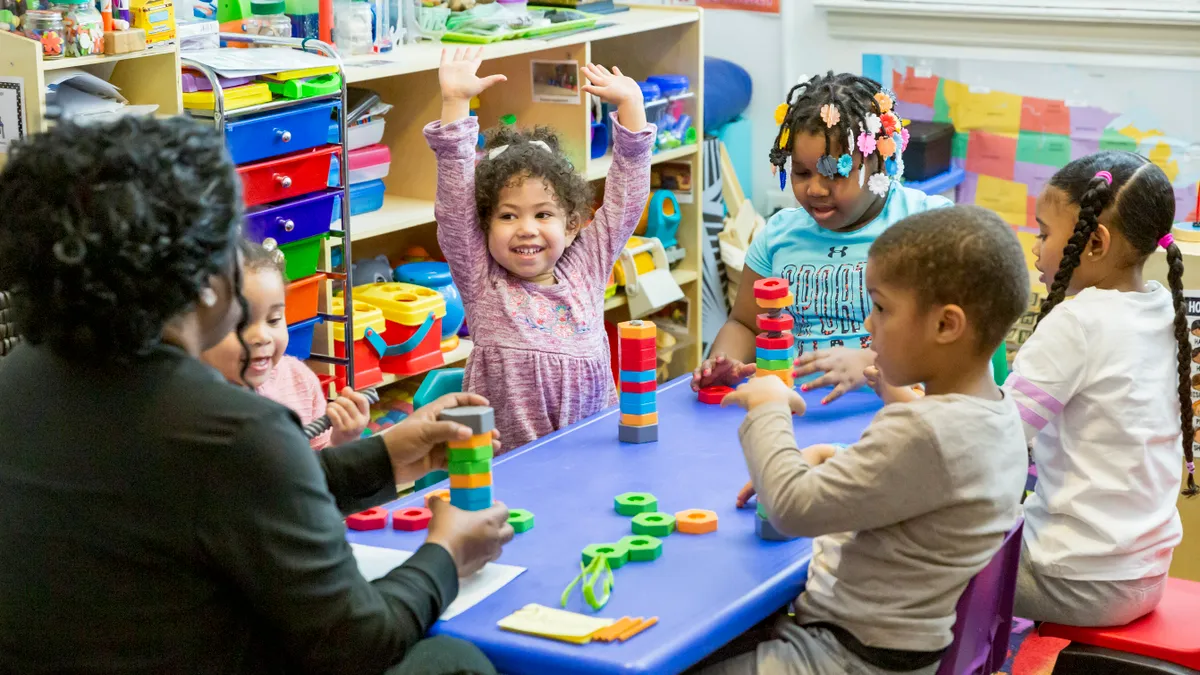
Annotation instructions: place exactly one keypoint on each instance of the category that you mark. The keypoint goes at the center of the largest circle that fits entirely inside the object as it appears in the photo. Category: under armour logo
(841, 251)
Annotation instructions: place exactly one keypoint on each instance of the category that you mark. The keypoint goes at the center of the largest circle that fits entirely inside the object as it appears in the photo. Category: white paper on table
(249, 62)
(374, 562)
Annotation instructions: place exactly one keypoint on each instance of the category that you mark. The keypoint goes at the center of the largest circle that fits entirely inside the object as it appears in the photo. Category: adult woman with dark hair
(153, 518)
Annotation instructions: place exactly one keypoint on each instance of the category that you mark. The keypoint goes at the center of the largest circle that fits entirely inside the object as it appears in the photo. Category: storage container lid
(927, 132)
(424, 273)
(669, 82)
(404, 304)
(372, 155)
(267, 7)
(650, 91)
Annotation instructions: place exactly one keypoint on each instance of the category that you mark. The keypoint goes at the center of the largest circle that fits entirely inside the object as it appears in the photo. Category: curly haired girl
(1103, 388)
(530, 267)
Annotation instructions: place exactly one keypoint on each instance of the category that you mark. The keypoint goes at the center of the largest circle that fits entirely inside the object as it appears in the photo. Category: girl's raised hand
(457, 75)
(619, 90)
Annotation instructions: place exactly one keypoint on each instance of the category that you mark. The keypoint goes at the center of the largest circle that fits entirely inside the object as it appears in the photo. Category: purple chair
(984, 613)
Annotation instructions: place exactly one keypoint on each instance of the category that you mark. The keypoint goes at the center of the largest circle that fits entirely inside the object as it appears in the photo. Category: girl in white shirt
(1103, 389)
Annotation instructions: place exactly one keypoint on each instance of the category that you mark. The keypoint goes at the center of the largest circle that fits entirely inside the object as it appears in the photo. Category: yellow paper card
(556, 624)
(995, 112)
(1004, 197)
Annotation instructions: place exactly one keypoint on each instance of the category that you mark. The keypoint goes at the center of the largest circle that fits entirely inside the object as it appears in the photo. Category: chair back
(984, 614)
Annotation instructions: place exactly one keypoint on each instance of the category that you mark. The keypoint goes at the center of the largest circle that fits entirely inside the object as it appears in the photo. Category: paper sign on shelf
(13, 123)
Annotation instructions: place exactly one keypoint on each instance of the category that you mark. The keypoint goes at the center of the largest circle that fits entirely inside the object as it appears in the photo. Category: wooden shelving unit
(146, 77)
(642, 42)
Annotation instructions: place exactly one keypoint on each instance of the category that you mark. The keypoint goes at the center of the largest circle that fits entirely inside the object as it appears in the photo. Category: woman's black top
(156, 519)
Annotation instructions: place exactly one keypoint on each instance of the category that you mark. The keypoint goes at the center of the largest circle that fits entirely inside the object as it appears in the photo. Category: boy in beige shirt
(906, 516)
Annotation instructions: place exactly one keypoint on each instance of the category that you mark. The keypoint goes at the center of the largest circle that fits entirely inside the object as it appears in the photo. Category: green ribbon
(595, 571)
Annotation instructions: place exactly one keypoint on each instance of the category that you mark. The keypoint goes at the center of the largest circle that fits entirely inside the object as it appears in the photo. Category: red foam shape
(371, 519)
(785, 341)
(637, 343)
(638, 387)
(411, 519)
(715, 394)
(781, 323)
(771, 288)
(640, 363)
(1168, 633)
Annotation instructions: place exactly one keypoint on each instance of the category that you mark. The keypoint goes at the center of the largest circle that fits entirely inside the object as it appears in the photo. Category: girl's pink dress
(541, 354)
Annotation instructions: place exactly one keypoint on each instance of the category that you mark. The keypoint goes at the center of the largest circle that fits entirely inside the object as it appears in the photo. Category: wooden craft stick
(609, 634)
(641, 626)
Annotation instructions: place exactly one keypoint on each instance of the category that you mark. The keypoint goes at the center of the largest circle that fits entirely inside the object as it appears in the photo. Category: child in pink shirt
(271, 373)
(530, 268)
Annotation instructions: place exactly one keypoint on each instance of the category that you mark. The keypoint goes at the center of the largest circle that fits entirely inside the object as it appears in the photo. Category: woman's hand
(417, 445)
(619, 90)
(762, 390)
(720, 371)
(459, 82)
(472, 538)
(843, 369)
(348, 416)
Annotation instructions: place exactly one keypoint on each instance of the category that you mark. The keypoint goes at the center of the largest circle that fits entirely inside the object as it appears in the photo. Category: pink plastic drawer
(366, 164)
(285, 177)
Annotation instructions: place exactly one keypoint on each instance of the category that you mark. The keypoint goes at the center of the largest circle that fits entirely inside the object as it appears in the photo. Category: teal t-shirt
(827, 270)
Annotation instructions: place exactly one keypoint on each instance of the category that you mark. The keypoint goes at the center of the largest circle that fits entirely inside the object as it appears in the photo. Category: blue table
(705, 589)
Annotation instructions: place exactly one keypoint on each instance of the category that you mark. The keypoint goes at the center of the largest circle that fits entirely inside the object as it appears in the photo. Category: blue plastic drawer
(292, 220)
(257, 137)
(300, 338)
(364, 198)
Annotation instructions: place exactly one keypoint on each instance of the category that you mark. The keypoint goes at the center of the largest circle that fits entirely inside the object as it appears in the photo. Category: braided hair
(855, 98)
(1140, 205)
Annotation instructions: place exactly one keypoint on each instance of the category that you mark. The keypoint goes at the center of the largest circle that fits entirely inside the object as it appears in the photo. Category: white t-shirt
(1097, 387)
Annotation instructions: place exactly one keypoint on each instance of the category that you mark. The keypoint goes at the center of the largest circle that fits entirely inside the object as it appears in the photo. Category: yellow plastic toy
(156, 17)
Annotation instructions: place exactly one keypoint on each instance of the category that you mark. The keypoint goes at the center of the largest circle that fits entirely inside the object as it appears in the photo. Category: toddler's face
(899, 331)
(266, 331)
(529, 231)
(837, 204)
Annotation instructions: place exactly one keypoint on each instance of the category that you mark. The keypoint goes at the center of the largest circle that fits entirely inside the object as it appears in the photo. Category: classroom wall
(729, 35)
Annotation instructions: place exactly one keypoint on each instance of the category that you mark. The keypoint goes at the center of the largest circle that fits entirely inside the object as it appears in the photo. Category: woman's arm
(272, 529)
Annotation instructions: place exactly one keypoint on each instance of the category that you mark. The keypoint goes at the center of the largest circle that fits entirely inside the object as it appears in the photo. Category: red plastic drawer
(285, 177)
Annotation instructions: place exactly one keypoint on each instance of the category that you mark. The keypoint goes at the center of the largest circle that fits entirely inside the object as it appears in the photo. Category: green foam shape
(521, 520)
(616, 553)
(468, 468)
(642, 547)
(633, 503)
(655, 524)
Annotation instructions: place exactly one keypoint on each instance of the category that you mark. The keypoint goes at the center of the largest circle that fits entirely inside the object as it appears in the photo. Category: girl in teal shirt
(844, 142)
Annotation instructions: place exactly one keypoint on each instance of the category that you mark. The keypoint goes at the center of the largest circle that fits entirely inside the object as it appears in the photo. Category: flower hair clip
(830, 115)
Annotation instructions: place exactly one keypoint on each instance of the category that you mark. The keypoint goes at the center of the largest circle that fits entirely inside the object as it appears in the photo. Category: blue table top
(705, 589)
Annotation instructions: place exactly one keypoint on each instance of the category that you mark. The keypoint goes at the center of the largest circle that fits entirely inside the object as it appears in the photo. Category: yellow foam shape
(555, 624)
(235, 97)
(297, 74)
(365, 316)
(406, 304)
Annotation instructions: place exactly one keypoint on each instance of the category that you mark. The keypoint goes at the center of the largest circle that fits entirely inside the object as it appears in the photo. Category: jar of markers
(46, 26)
(83, 25)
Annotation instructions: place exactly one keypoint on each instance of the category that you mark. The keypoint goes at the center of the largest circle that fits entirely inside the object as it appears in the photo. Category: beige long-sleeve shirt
(923, 501)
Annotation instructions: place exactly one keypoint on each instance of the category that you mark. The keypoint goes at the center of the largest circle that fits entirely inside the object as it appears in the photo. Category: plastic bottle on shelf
(267, 18)
(305, 17)
(353, 25)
